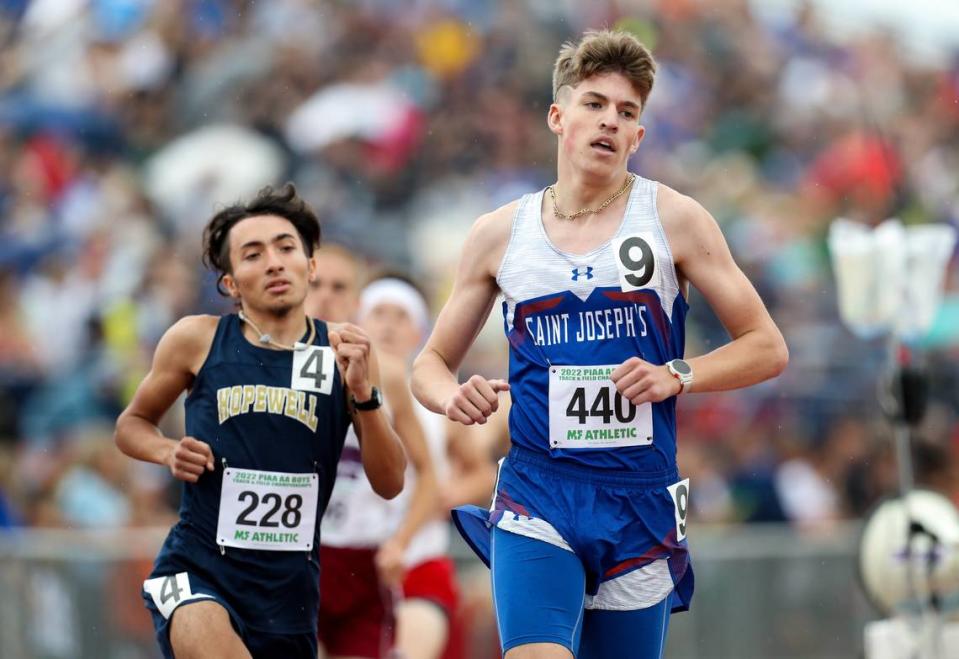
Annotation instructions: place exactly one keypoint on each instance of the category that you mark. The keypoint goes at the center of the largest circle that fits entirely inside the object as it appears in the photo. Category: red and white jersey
(357, 517)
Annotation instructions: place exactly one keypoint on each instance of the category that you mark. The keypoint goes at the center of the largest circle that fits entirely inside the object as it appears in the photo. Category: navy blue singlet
(242, 405)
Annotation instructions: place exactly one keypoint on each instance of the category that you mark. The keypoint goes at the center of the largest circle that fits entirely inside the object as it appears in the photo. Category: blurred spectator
(89, 494)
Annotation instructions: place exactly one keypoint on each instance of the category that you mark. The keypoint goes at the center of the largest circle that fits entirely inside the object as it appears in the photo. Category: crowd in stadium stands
(124, 123)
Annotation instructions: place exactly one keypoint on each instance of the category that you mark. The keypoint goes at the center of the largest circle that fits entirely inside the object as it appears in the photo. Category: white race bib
(636, 262)
(269, 510)
(171, 591)
(680, 494)
(313, 368)
(586, 411)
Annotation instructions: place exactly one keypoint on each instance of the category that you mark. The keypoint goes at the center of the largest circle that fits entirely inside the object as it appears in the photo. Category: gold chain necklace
(588, 211)
(266, 339)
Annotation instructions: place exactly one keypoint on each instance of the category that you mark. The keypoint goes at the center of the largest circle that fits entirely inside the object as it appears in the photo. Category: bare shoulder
(195, 330)
(499, 220)
(679, 211)
(188, 341)
(684, 220)
(490, 234)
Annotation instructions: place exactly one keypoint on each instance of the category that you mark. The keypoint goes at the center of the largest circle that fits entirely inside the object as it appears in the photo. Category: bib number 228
(290, 517)
(269, 510)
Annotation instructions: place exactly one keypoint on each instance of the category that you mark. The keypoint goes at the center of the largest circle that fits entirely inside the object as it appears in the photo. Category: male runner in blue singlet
(586, 536)
(271, 394)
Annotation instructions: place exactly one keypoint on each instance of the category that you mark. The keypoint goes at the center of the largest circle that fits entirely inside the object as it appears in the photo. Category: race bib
(636, 262)
(170, 592)
(269, 510)
(586, 411)
(680, 493)
(313, 368)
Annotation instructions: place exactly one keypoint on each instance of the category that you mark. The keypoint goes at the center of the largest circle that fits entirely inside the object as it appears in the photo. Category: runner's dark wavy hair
(283, 203)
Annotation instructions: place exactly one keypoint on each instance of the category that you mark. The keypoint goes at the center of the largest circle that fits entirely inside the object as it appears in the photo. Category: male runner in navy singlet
(271, 394)
(586, 536)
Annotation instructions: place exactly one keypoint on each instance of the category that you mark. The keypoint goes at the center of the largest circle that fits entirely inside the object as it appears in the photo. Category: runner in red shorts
(365, 538)
(395, 314)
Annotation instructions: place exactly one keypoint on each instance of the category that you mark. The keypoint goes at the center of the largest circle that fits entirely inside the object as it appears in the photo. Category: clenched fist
(189, 458)
(475, 400)
(642, 382)
(352, 347)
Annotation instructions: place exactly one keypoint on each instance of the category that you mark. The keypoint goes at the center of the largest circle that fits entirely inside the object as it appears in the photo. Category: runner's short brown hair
(605, 51)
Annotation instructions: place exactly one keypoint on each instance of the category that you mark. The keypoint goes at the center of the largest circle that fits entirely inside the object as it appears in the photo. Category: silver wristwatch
(682, 371)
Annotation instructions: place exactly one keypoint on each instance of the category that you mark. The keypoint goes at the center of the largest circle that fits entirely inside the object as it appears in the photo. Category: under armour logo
(588, 274)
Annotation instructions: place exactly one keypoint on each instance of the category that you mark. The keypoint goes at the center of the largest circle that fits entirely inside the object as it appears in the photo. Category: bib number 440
(587, 411)
(622, 409)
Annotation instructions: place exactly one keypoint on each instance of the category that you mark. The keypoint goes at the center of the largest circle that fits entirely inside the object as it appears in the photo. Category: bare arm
(474, 291)
(380, 449)
(757, 350)
(422, 504)
(177, 359)
(474, 468)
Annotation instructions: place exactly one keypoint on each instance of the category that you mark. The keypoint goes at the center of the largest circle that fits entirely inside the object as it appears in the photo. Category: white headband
(398, 292)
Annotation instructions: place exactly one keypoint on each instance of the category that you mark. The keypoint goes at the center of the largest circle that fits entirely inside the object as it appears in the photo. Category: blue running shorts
(167, 592)
(628, 530)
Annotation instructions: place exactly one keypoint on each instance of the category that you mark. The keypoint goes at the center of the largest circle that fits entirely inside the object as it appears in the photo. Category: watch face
(375, 400)
(681, 367)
